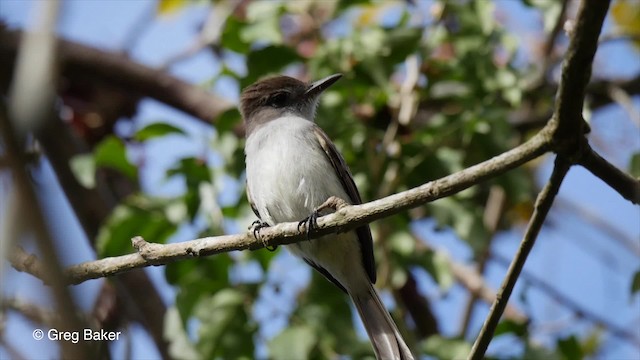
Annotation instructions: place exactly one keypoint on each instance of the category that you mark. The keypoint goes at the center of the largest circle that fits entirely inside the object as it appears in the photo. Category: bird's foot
(311, 221)
(255, 229)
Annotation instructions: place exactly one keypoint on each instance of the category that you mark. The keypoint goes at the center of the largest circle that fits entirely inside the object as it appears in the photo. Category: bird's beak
(317, 87)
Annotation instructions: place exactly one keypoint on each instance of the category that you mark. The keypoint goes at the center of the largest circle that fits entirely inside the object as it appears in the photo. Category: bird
(292, 169)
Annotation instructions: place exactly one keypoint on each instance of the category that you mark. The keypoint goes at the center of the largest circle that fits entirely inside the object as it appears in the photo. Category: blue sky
(568, 255)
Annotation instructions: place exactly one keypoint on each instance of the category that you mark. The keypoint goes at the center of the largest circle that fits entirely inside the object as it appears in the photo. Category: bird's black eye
(278, 100)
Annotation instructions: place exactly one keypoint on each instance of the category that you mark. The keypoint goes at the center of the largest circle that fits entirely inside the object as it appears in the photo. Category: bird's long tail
(383, 333)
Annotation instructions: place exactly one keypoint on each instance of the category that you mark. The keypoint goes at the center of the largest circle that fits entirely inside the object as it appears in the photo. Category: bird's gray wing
(344, 174)
(251, 203)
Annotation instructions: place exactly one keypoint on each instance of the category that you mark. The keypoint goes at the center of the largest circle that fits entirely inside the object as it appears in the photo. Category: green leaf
(437, 263)
(537, 352)
(570, 348)
(445, 349)
(225, 330)
(180, 346)
(156, 130)
(511, 327)
(84, 168)
(635, 283)
(112, 153)
(634, 165)
(228, 120)
(263, 19)
(268, 60)
(402, 243)
(193, 169)
(194, 281)
(485, 10)
(127, 221)
(326, 309)
(463, 217)
(231, 38)
(294, 343)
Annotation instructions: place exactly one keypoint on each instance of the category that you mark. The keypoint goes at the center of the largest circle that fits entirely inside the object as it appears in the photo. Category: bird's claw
(255, 229)
(311, 221)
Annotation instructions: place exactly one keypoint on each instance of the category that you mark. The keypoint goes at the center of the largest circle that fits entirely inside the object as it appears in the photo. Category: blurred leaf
(139, 217)
(156, 130)
(293, 343)
(402, 243)
(194, 280)
(224, 326)
(537, 352)
(264, 257)
(446, 349)
(402, 42)
(84, 169)
(485, 10)
(635, 283)
(634, 165)
(231, 39)
(626, 15)
(166, 7)
(226, 144)
(592, 342)
(326, 309)
(180, 346)
(570, 348)
(511, 327)
(228, 120)
(369, 14)
(437, 264)
(263, 23)
(193, 169)
(268, 60)
(465, 219)
(112, 153)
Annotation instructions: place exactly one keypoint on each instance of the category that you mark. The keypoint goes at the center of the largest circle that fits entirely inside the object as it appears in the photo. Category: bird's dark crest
(256, 95)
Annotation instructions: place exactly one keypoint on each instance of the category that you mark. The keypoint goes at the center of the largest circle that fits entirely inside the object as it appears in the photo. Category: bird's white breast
(287, 172)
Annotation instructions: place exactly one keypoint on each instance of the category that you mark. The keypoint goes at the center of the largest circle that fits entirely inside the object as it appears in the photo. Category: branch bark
(620, 181)
(543, 204)
(576, 69)
(345, 219)
(84, 62)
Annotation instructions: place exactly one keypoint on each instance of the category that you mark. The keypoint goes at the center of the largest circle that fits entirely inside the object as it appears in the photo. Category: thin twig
(471, 279)
(592, 218)
(620, 181)
(568, 302)
(492, 214)
(543, 204)
(50, 262)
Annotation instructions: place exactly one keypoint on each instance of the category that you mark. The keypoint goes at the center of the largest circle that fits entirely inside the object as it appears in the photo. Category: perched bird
(292, 168)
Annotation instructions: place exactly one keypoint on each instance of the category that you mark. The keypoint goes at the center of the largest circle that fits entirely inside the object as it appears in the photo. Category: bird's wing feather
(343, 173)
(251, 203)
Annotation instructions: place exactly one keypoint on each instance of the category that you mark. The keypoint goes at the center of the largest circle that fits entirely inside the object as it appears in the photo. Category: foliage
(423, 95)
(466, 68)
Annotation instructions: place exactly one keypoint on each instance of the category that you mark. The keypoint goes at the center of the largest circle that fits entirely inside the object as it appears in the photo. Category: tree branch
(51, 264)
(344, 219)
(576, 69)
(543, 204)
(566, 301)
(90, 64)
(620, 181)
(569, 143)
(472, 280)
